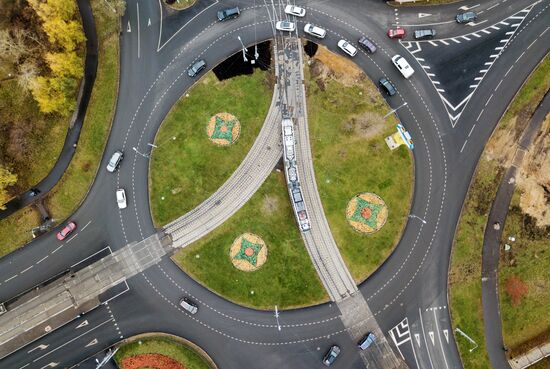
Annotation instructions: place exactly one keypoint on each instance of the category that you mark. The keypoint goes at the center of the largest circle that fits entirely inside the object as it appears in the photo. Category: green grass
(465, 272)
(526, 324)
(184, 354)
(347, 161)
(287, 279)
(187, 170)
(71, 190)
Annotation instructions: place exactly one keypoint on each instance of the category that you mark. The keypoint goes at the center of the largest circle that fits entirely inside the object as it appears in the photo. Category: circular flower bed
(366, 212)
(248, 252)
(223, 129)
(154, 361)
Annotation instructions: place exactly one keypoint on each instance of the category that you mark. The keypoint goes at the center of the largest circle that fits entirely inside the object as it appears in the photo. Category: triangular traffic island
(367, 212)
(223, 129)
(248, 252)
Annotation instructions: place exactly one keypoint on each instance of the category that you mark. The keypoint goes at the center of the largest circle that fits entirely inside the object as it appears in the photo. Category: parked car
(295, 10)
(397, 32)
(331, 355)
(421, 34)
(466, 17)
(367, 44)
(121, 198)
(387, 86)
(347, 48)
(366, 341)
(403, 66)
(228, 13)
(189, 305)
(115, 160)
(67, 230)
(315, 31)
(285, 26)
(196, 68)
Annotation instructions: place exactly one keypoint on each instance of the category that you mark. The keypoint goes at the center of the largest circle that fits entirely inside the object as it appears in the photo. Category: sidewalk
(491, 244)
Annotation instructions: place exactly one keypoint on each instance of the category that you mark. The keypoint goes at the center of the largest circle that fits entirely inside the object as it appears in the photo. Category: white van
(403, 66)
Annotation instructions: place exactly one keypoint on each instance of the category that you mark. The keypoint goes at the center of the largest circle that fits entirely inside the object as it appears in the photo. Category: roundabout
(407, 294)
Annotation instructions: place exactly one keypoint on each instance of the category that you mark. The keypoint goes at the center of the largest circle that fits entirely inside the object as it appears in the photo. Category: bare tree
(13, 44)
(26, 78)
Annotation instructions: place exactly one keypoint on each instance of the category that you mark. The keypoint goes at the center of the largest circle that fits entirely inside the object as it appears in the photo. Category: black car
(196, 68)
(421, 34)
(331, 355)
(228, 13)
(466, 17)
(387, 86)
(367, 44)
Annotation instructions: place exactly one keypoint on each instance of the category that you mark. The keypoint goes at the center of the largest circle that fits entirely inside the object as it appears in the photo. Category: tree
(55, 94)
(65, 64)
(26, 77)
(6, 179)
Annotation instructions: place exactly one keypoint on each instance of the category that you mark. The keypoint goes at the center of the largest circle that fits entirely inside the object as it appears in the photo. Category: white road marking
(72, 340)
(481, 112)
(468, 7)
(10, 278)
(426, 342)
(92, 343)
(425, 67)
(491, 7)
(475, 34)
(509, 33)
(473, 86)
(504, 23)
(444, 42)
(26, 270)
(495, 27)
(519, 57)
(24, 366)
(494, 56)
(471, 130)
(466, 38)
(496, 88)
(417, 337)
(515, 25)
(129, 29)
(455, 40)
(83, 324)
(462, 149)
(433, 43)
(87, 224)
(422, 15)
(72, 238)
(489, 99)
(440, 341)
(149, 22)
(41, 260)
(39, 347)
(478, 78)
(446, 334)
(487, 32)
(139, 41)
(50, 365)
(432, 336)
(473, 24)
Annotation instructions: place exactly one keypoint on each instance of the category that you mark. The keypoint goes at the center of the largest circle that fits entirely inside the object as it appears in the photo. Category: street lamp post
(277, 317)
(140, 153)
(244, 49)
(417, 217)
(394, 110)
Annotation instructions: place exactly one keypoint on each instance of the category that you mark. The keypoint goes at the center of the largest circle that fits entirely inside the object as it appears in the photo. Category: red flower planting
(156, 361)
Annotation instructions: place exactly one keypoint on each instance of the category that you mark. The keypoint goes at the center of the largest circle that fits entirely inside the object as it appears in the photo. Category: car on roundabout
(366, 341)
(397, 32)
(114, 162)
(466, 17)
(228, 13)
(331, 355)
(67, 230)
(315, 31)
(295, 10)
(196, 68)
(388, 87)
(285, 26)
(121, 198)
(189, 305)
(347, 48)
(423, 34)
(367, 44)
(402, 65)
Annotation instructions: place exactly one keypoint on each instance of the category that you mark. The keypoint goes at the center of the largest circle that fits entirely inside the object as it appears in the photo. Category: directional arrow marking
(92, 342)
(446, 333)
(50, 365)
(39, 347)
(468, 7)
(83, 324)
(149, 22)
(417, 337)
(432, 337)
(129, 29)
(422, 15)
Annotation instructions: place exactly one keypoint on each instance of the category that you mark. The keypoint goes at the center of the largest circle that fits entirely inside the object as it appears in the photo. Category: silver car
(189, 305)
(114, 162)
(285, 26)
(315, 31)
(121, 198)
(347, 48)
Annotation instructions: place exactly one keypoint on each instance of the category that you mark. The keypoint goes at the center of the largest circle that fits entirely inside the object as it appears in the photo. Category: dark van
(228, 13)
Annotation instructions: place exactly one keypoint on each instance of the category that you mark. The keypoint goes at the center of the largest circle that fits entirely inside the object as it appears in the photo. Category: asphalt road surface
(407, 294)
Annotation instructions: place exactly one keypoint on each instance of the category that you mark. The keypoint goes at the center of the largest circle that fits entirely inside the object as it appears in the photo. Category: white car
(285, 26)
(315, 31)
(403, 66)
(121, 198)
(347, 47)
(295, 10)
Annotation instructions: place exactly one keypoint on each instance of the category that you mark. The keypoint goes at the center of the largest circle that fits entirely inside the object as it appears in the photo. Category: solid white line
(478, 78)
(516, 17)
(471, 130)
(87, 224)
(24, 366)
(425, 67)
(494, 56)
(495, 27)
(424, 335)
(483, 70)
(431, 75)
(489, 63)
(440, 342)
(466, 38)
(510, 33)
(481, 112)
(433, 43)
(473, 86)
(455, 40)
(462, 149)
(499, 48)
(491, 7)
(420, 59)
(486, 32)
(26, 270)
(440, 90)
(504, 41)
(10, 278)
(139, 41)
(506, 24)
(435, 82)
(444, 42)
(77, 337)
(41, 260)
(515, 25)
(475, 34)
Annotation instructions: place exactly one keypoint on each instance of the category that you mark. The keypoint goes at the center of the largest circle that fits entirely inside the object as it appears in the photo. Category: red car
(396, 32)
(67, 230)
